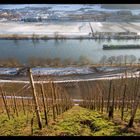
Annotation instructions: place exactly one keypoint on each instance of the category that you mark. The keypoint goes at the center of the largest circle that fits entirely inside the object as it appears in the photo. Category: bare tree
(103, 59)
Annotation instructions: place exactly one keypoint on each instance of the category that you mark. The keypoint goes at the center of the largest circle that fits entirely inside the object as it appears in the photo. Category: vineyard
(38, 104)
(121, 97)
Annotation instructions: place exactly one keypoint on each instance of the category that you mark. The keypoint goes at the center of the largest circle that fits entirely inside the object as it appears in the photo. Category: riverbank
(69, 30)
(35, 37)
(61, 75)
(66, 71)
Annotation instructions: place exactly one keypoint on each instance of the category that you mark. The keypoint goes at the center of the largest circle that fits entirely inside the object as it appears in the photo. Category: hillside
(77, 121)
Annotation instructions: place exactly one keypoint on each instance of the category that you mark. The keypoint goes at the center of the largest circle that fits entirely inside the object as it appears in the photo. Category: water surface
(63, 49)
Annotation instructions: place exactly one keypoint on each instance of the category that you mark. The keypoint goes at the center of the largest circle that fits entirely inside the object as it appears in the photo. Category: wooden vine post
(44, 104)
(123, 102)
(35, 99)
(15, 104)
(53, 103)
(22, 100)
(108, 101)
(5, 104)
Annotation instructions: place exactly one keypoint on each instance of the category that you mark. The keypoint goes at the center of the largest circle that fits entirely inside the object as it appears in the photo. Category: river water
(63, 49)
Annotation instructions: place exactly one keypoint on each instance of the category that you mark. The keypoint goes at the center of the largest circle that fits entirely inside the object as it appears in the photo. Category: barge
(110, 47)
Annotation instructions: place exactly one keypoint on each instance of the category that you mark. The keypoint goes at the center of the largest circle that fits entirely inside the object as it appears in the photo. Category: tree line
(121, 59)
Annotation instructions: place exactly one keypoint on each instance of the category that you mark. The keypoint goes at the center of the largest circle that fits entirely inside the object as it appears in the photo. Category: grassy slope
(72, 123)
(75, 122)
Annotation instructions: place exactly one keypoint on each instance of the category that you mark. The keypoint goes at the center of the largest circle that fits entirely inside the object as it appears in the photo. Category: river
(90, 49)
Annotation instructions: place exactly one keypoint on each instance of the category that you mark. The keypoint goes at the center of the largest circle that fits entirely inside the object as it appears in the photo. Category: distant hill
(121, 6)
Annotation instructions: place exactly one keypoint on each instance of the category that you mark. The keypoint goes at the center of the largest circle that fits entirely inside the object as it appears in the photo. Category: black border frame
(69, 2)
